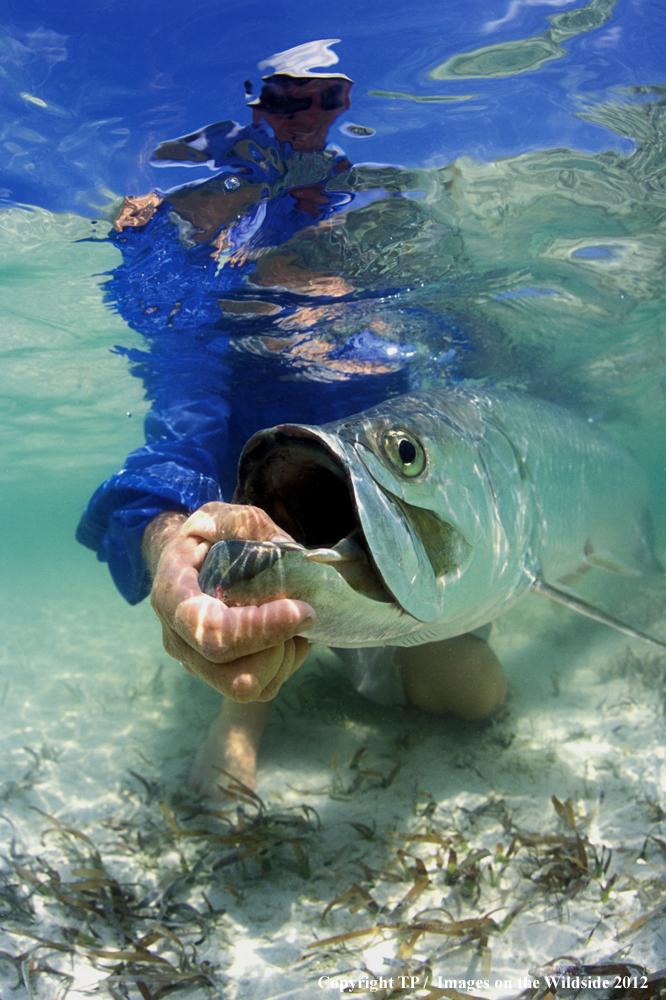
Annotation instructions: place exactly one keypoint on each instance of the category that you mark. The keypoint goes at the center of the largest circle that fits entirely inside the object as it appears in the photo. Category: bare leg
(461, 676)
(232, 745)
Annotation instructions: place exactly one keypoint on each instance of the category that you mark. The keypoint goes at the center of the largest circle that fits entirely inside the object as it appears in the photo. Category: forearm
(167, 475)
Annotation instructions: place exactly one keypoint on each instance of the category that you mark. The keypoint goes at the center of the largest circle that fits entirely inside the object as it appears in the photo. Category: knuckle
(213, 507)
(214, 653)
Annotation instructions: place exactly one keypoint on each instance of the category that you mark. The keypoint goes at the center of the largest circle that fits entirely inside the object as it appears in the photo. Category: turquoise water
(545, 246)
(66, 398)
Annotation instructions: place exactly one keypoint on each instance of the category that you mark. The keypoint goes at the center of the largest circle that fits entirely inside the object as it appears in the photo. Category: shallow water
(529, 250)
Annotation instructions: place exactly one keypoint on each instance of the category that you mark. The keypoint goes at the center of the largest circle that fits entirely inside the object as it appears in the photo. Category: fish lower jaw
(240, 572)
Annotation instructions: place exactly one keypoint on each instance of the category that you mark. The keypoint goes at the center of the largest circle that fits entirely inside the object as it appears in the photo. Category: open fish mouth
(306, 489)
(329, 491)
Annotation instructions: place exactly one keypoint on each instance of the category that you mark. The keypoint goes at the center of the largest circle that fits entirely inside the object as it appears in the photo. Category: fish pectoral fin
(576, 603)
(571, 578)
(604, 560)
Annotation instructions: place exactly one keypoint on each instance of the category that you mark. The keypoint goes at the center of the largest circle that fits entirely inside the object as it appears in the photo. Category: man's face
(301, 111)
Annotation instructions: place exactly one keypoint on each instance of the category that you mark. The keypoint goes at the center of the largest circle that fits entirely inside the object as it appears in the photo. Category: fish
(430, 515)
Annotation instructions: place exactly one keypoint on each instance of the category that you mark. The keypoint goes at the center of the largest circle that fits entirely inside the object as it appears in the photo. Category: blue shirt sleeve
(179, 468)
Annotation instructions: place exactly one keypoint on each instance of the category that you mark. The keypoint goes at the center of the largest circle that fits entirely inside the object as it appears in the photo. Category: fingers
(257, 677)
(216, 521)
(221, 634)
(296, 651)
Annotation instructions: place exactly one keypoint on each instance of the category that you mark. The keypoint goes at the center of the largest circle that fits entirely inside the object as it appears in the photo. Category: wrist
(157, 534)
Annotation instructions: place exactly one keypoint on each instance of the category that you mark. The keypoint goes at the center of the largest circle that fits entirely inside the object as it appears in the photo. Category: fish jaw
(352, 608)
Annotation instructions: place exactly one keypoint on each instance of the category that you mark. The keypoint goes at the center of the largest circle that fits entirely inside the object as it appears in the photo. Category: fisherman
(189, 255)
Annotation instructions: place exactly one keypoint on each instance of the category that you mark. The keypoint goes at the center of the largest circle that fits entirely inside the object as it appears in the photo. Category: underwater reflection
(274, 179)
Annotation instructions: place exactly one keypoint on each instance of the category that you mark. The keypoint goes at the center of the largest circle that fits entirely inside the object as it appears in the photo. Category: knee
(460, 676)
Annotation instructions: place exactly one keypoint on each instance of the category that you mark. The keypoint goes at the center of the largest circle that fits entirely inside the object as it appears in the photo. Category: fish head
(401, 480)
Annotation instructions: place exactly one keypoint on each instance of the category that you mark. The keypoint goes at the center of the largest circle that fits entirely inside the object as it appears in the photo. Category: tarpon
(430, 515)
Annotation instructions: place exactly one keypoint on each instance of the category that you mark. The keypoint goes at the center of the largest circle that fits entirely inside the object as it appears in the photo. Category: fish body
(430, 515)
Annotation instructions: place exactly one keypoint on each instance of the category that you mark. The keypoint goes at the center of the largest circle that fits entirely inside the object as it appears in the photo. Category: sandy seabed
(402, 854)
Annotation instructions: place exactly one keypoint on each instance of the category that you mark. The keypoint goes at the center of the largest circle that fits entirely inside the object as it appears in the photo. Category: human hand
(245, 653)
(136, 211)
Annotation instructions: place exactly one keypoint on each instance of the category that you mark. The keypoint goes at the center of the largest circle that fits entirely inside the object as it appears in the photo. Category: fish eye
(405, 452)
